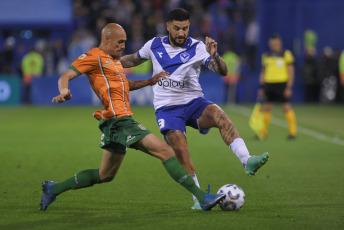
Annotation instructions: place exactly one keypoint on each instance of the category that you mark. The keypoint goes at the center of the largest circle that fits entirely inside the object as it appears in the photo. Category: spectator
(135, 44)
(59, 53)
(100, 23)
(310, 39)
(19, 55)
(75, 48)
(8, 56)
(341, 72)
(310, 75)
(328, 68)
(231, 80)
(88, 40)
(80, 14)
(251, 41)
(32, 66)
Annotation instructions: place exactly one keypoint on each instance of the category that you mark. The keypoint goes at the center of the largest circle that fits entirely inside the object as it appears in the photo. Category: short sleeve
(203, 54)
(145, 51)
(85, 63)
(288, 56)
(263, 59)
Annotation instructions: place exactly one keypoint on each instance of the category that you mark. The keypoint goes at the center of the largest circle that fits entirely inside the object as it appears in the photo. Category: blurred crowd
(322, 72)
(232, 23)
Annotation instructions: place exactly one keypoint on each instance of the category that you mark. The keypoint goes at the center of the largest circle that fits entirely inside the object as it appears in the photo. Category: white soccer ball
(235, 197)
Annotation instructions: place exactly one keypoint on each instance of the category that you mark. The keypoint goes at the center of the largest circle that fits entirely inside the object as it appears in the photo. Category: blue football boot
(48, 197)
(210, 200)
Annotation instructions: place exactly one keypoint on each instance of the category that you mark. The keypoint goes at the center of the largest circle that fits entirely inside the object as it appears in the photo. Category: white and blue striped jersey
(183, 64)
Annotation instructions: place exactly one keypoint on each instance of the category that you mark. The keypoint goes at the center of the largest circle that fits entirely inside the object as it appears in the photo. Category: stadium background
(61, 30)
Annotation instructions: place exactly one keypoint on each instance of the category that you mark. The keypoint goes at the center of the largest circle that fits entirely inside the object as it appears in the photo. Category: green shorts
(120, 133)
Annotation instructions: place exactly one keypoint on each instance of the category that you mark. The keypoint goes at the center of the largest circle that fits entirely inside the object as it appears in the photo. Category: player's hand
(287, 92)
(157, 77)
(62, 97)
(260, 93)
(211, 46)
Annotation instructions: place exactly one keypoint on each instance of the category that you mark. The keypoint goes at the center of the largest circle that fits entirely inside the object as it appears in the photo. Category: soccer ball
(235, 197)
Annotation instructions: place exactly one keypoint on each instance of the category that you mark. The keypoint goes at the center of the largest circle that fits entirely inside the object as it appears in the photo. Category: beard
(178, 41)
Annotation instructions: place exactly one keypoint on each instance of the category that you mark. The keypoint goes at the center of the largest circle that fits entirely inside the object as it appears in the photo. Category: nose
(180, 33)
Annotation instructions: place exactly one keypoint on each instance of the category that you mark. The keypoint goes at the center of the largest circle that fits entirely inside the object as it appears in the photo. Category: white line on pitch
(279, 122)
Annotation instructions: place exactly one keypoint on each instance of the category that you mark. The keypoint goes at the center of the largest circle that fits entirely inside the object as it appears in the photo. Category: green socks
(180, 175)
(81, 179)
(90, 177)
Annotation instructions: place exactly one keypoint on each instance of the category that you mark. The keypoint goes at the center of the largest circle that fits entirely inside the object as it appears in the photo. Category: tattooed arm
(131, 60)
(217, 64)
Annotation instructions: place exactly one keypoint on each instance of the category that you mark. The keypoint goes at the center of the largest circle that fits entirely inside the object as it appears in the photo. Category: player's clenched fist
(62, 97)
(211, 46)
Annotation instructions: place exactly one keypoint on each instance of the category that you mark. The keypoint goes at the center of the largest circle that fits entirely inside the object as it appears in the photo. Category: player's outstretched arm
(63, 86)
(217, 64)
(133, 85)
(131, 60)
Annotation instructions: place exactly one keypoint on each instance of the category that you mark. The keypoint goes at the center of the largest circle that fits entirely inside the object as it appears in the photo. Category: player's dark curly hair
(178, 14)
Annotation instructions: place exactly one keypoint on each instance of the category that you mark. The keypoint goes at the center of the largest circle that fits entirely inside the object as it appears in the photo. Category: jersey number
(161, 123)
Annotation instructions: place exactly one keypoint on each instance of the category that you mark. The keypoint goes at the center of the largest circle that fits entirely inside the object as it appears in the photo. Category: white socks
(240, 150)
(194, 177)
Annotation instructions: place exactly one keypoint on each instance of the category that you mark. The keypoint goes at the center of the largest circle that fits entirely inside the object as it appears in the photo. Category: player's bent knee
(166, 153)
(106, 177)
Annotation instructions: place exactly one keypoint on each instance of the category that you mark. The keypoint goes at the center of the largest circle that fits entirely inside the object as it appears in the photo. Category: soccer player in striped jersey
(120, 130)
(179, 101)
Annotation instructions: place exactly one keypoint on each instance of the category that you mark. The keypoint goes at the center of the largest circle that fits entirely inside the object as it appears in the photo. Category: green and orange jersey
(108, 81)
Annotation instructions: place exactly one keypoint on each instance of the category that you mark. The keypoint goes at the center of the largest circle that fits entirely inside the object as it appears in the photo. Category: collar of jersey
(276, 54)
(186, 45)
(107, 54)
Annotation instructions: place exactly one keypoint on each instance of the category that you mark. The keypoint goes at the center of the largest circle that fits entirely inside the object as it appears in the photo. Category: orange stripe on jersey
(107, 80)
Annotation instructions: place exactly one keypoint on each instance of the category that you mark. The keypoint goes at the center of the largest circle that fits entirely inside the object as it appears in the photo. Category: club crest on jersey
(184, 57)
(82, 56)
(107, 63)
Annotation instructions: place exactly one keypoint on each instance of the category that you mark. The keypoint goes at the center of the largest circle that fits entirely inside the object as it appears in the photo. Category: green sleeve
(75, 70)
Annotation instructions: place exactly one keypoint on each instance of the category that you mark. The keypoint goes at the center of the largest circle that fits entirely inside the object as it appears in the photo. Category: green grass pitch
(301, 187)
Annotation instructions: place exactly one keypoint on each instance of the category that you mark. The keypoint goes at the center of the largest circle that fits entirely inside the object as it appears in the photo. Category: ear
(106, 38)
(168, 26)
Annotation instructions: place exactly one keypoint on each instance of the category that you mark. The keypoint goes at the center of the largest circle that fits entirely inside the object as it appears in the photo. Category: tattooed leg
(214, 116)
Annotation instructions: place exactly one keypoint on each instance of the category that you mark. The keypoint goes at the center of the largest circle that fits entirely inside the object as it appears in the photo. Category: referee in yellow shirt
(276, 81)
